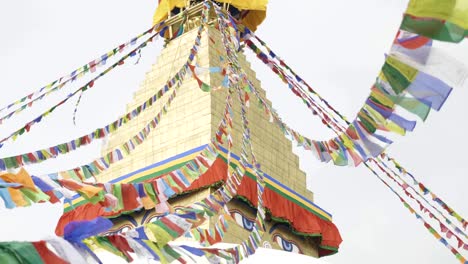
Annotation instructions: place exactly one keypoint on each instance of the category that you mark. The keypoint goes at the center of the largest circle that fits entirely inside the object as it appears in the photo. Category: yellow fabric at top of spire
(248, 4)
(454, 11)
(164, 7)
(256, 15)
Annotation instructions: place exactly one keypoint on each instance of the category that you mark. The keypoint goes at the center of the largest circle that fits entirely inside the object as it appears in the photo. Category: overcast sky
(337, 46)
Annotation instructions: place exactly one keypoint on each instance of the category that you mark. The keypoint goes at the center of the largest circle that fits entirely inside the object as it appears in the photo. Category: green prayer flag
(63, 148)
(35, 196)
(10, 162)
(170, 254)
(205, 87)
(434, 29)
(414, 106)
(19, 253)
(161, 232)
(366, 121)
(104, 243)
(396, 79)
(150, 192)
(118, 193)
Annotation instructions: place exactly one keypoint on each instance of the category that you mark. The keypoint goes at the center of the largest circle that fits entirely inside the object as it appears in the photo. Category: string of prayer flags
(150, 192)
(164, 229)
(27, 127)
(207, 236)
(90, 67)
(426, 191)
(431, 230)
(20, 190)
(197, 71)
(416, 47)
(178, 180)
(115, 197)
(102, 163)
(153, 238)
(460, 243)
(396, 76)
(378, 112)
(404, 82)
(253, 241)
(215, 234)
(38, 156)
(443, 227)
(97, 166)
(406, 186)
(436, 103)
(259, 226)
(233, 255)
(145, 237)
(426, 92)
(296, 76)
(259, 175)
(58, 251)
(94, 168)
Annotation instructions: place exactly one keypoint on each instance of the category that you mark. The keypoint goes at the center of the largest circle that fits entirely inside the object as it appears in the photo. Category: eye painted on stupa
(246, 222)
(125, 228)
(286, 245)
(152, 218)
(179, 209)
(121, 229)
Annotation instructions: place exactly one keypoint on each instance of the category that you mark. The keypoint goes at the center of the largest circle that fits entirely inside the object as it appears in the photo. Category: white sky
(337, 46)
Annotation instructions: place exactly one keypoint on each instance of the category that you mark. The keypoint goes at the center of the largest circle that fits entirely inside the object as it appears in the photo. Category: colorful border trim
(282, 189)
(164, 166)
(149, 172)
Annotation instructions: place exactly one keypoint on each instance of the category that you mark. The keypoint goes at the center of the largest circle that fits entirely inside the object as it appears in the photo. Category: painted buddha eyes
(242, 220)
(286, 245)
(248, 224)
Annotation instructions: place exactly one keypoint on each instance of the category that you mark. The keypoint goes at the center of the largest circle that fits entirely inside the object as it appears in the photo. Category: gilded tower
(294, 222)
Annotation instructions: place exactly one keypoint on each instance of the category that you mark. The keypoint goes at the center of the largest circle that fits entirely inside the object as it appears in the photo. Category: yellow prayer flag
(18, 197)
(22, 177)
(408, 71)
(90, 191)
(454, 11)
(395, 128)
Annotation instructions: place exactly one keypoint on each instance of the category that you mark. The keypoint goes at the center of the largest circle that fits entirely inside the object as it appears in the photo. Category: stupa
(294, 222)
